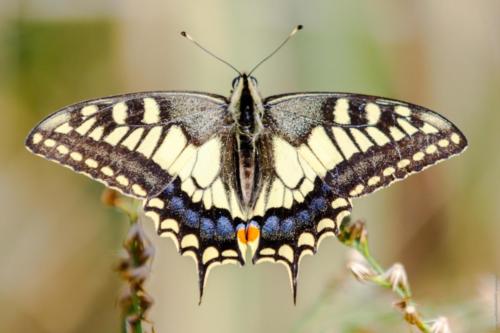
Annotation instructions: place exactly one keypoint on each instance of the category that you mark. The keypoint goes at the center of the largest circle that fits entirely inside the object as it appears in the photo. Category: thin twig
(134, 267)
(355, 236)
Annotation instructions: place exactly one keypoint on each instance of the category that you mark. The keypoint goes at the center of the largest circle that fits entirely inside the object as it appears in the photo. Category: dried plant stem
(134, 267)
(355, 235)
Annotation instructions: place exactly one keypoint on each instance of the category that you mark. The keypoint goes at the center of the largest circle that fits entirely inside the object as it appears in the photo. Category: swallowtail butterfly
(219, 175)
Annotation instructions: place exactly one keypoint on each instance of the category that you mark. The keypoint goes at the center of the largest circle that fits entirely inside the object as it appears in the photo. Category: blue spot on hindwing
(270, 230)
(169, 189)
(176, 204)
(287, 228)
(191, 219)
(207, 228)
(318, 205)
(225, 229)
(304, 218)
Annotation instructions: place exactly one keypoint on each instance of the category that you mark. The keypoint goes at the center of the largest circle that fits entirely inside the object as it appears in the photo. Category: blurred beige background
(58, 243)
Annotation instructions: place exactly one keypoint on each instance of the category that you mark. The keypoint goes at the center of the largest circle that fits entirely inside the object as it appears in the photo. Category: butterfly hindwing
(323, 149)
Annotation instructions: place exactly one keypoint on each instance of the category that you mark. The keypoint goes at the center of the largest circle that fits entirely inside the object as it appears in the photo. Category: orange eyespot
(252, 233)
(241, 234)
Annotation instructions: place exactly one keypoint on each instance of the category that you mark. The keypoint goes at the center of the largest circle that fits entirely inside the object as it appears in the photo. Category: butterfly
(219, 175)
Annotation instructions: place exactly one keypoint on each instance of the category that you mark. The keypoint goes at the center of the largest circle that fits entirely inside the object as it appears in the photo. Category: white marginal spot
(323, 148)
(286, 162)
(156, 203)
(311, 160)
(341, 216)
(429, 129)
(150, 142)
(133, 139)
(37, 138)
(407, 127)
(443, 143)
(363, 142)
(116, 135)
(402, 110)
(97, 133)
(209, 254)
(455, 138)
(306, 238)
(286, 252)
(89, 110)
(388, 171)
(341, 111)
(373, 181)
(276, 194)
(403, 163)
(188, 186)
(64, 128)
(396, 133)
(122, 180)
(378, 136)
(63, 150)
(324, 224)
(151, 111)
(91, 163)
(229, 253)
(339, 202)
(120, 113)
(373, 113)
(219, 195)
(86, 126)
(49, 143)
(139, 190)
(207, 165)
(357, 190)
(170, 224)
(190, 241)
(418, 156)
(76, 156)
(267, 251)
(431, 149)
(171, 147)
(107, 171)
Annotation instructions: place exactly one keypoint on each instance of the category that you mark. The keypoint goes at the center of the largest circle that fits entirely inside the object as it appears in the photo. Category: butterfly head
(244, 80)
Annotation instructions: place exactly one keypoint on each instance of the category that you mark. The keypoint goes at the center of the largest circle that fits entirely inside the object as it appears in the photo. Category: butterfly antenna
(294, 31)
(185, 34)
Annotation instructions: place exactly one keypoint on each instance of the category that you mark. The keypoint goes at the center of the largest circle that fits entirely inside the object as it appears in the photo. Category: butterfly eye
(235, 82)
(254, 80)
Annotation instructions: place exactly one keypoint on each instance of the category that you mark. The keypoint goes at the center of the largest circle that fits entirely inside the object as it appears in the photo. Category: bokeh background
(59, 244)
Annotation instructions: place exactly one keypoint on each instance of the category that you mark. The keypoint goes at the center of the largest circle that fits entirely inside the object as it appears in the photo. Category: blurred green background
(59, 244)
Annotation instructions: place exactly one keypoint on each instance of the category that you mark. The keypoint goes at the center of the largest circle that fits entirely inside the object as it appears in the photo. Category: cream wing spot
(188, 186)
(341, 111)
(86, 126)
(431, 149)
(267, 251)
(373, 113)
(156, 203)
(133, 139)
(388, 171)
(107, 171)
(429, 129)
(276, 195)
(219, 195)
(120, 113)
(151, 111)
(306, 187)
(373, 181)
(116, 135)
(122, 180)
(286, 163)
(324, 224)
(311, 160)
(323, 148)
(139, 190)
(378, 136)
(63, 150)
(286, 252)
(455, 138)
(288, 199)
(306, 238)
(407, 127)
(207, 198)
(362, 141)
(207, 165)
(209, 254)
(91, 163)
(190, 241)
(229, 253)
(357, 190)
(170, 148)
(402, 110)
(49, 143)
(170, 224)
(403, 163)
(297, 195)
(345, 143)
(150, 142)
(396, 133)
(64, 128)
(197, 195)
(37, 138)
(187, 156)
(418, 156)
(339, 202)
(97, 133)
(76, 156)
(89, 110)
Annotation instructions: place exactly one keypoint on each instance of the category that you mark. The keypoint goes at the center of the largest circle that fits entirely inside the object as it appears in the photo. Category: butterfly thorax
(246, 109)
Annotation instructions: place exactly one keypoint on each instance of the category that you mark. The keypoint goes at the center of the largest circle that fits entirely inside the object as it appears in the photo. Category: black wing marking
(340, 146)
(130, 142)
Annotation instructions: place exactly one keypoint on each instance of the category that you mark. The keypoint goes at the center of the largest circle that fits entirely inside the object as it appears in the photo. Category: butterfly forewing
(324, 149)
